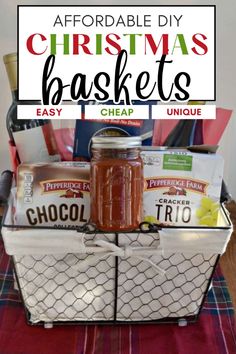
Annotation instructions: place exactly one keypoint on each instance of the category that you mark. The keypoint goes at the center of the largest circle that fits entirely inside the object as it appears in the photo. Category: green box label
(177, 162)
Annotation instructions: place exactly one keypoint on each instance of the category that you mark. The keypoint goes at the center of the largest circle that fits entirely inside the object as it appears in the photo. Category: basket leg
(48, 325)
(182, 322)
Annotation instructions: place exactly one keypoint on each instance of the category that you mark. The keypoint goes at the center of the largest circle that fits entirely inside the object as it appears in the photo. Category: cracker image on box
(182, 188)
(56, 194)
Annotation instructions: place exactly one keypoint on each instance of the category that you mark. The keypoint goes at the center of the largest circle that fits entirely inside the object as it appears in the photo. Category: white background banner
(145, 32)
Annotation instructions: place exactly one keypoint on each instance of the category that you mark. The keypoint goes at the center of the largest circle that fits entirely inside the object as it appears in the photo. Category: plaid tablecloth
(214, 333)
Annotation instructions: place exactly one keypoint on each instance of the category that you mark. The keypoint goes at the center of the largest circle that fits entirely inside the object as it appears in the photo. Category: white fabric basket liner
(65, 275)
(31, 241)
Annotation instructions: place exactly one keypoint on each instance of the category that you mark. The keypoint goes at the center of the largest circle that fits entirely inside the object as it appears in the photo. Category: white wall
(226, 68)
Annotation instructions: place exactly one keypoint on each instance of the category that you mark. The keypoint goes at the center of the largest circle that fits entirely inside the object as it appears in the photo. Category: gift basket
(132, 237)
(154, 274)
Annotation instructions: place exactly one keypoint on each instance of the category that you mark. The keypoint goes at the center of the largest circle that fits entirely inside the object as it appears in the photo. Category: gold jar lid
(116, 142)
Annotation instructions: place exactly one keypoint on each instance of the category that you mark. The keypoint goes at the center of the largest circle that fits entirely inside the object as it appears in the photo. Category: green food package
(182, 188)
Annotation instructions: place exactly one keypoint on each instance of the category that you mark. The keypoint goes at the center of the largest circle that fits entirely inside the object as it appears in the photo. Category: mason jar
(116, 183)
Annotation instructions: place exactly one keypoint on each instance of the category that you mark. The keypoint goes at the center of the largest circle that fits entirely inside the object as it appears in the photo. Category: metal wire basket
(84, 276)
(117, 278)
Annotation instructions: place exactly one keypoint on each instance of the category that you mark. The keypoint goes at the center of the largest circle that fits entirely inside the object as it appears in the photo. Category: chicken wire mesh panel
(144, 294)
(125, 288)
(53, 288)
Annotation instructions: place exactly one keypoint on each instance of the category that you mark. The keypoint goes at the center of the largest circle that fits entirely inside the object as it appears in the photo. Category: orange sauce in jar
(116, 183)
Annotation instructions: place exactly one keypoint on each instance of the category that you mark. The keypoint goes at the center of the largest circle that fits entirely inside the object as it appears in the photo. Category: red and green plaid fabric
(213, 333)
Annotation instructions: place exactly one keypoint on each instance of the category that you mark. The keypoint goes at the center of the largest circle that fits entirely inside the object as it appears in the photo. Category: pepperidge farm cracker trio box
(182, 188)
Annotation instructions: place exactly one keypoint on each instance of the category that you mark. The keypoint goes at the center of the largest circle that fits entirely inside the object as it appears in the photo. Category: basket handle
(5, 186)
(225, 195)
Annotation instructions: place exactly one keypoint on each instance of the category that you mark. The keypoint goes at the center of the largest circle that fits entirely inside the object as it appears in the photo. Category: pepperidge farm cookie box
(182, 188)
